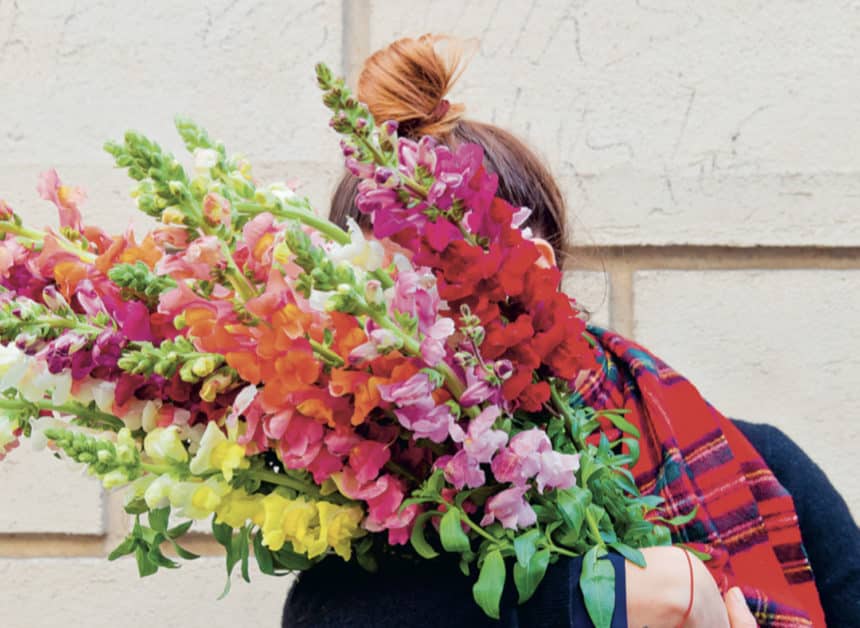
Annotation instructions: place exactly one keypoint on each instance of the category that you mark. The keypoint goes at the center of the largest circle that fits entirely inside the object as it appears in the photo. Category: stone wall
(710, 153)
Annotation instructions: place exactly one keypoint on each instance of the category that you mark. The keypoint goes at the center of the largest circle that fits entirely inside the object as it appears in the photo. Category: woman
(407, 82)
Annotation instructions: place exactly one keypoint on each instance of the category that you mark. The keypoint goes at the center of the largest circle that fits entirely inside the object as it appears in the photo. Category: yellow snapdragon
(238, 507)
(311, 527)
(218, 453)
(192, 500)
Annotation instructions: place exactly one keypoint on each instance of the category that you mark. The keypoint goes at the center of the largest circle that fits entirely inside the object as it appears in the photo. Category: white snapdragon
(360, 252)
(149, 414)
(62, 387)
(10, 355)
(104, 394)
(164, 444)
(204, 160)
(282, 192)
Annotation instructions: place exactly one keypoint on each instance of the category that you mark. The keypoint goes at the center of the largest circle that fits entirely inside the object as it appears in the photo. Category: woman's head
(407, 81)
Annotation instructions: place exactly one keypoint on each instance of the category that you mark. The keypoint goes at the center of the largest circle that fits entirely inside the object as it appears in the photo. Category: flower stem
(87, 416)
(326, 354)
(413, 347)
(401, 471)
(562, 406)
(593, 527)
(328, 229)
(239, 282)
(38, 238)
(560, 550)
(476, 528)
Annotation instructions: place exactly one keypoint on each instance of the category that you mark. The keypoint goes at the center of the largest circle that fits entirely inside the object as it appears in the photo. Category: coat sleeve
(830, 534)
(429, 594)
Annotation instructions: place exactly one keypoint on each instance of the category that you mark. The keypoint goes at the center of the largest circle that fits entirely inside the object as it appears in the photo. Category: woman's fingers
(739, 613)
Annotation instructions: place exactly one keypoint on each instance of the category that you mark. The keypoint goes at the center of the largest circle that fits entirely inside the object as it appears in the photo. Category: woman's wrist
(660, 594)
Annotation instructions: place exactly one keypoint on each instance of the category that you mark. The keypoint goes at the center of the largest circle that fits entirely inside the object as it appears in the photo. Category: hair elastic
(690, 605)
(440, 111)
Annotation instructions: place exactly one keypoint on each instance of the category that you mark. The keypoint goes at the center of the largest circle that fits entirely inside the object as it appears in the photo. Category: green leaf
(680, 519)
(136, 506)
(652, 501)
(222, 533)
(525, 545)
(451, 533)
(464, 567)
(158, 519)
(367, 561)
(597, 584)
(124, 548)
(145, 567)
(263, 556)
(622, 424)
(156, 556)
(572, 503)
(703, 556)
(182, 552)
(289, 559)
(632, 554)
(528, 578)
(633, 450)
(233, 553)
(603, 446)
(491, 583)
(244, 551)
(416, 500)
(179, 530)
(419, 542)
(588, 466)
(624, 480)
(435, 483)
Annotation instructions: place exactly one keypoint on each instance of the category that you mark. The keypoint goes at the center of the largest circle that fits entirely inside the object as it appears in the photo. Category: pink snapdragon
(216, 209)
(197, 261)
(416, 410)
(65, 197)
(433, 346)
(367, 458)
(530, 455)
(427, 420)
(510, 508)
(408, 392)
(415, 293)
(479, 388)
(480, 443)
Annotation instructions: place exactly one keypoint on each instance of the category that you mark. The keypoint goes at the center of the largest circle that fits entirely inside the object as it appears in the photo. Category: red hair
(407, 81)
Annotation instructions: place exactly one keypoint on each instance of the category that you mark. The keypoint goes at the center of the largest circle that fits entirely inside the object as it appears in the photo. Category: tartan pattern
(693, 456)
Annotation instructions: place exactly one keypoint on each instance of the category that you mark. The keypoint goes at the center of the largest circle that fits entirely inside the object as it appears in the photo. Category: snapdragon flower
(163, 444)
(218, 453)
(360, 252)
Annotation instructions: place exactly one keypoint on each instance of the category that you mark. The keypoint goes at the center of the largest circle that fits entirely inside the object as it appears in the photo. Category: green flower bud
(203, 366)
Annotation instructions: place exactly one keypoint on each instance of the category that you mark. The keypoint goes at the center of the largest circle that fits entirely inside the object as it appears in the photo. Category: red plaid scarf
(691, 455)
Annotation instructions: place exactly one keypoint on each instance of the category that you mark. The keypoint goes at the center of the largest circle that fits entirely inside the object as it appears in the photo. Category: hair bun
(408, 80)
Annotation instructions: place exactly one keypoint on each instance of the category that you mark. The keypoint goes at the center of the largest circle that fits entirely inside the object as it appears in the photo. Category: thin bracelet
(690, 605)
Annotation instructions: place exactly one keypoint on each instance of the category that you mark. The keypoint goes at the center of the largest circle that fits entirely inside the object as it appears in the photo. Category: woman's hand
(659, 594)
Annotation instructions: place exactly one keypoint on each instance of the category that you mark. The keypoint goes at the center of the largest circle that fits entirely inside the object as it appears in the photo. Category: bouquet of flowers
(315, 391)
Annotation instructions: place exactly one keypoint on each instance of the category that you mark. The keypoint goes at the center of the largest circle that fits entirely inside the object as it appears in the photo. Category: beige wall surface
(709, 151)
